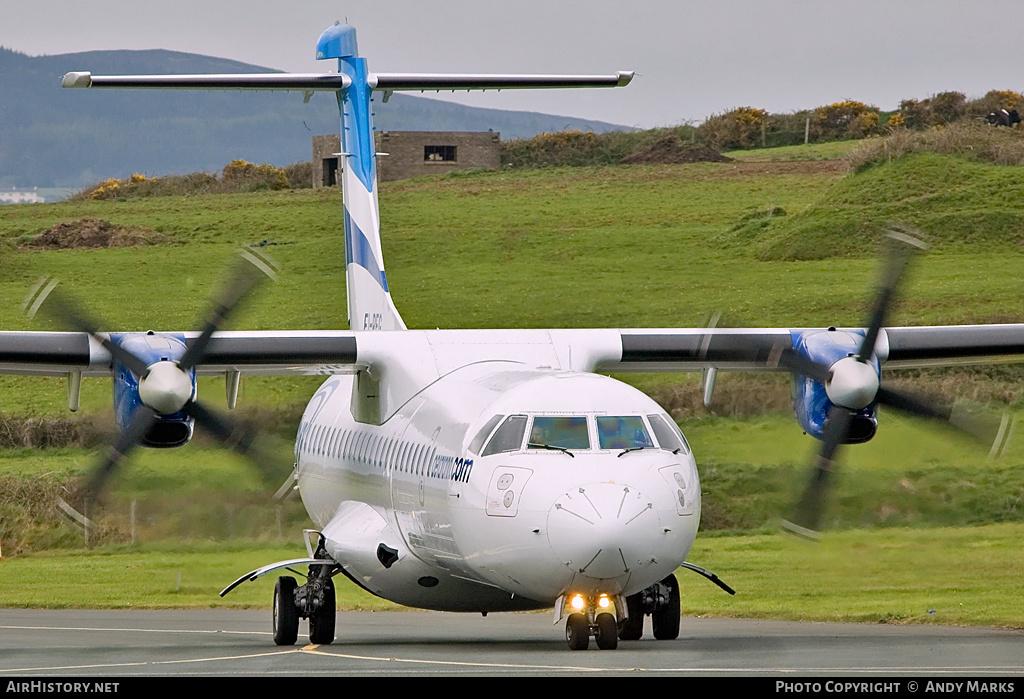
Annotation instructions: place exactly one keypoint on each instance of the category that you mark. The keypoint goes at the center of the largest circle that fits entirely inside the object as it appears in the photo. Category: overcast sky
(693, 58)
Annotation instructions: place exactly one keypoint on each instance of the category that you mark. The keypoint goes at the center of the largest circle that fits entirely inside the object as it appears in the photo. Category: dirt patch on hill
(93, 233)
(670, 150)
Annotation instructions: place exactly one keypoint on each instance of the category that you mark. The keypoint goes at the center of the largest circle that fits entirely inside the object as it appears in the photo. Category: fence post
(807, 131)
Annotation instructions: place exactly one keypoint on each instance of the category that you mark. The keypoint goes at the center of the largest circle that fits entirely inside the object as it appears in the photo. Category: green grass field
(968, 575)
(628, 246)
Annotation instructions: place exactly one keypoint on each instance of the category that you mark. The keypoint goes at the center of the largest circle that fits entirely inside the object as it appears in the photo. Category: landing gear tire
(666, 618)
(322, 621)
(607, 632)
(632, 628)
(577, 632)
(286, 614)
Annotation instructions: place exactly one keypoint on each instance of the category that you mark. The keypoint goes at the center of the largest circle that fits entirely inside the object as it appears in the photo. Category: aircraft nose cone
(603, 530)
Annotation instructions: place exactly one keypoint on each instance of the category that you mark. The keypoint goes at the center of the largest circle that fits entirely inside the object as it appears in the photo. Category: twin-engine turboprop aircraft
(479, 470)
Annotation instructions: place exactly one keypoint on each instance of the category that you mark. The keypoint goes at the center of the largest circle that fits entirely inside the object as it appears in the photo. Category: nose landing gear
(595, 618)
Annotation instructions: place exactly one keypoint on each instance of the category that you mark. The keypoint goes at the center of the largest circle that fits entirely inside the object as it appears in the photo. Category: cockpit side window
(622, 432)
(561, 432)
(484, 432)
(508, 437)
(668, 437)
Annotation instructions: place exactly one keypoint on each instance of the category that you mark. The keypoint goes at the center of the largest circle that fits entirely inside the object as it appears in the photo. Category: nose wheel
(605, 631)
(594, 618)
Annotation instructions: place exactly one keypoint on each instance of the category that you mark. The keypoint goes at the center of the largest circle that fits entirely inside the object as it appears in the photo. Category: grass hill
(957, 203)
(54, 137)
(622, 246)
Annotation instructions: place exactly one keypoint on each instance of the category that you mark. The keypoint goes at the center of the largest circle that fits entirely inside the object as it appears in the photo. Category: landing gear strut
(315, 600)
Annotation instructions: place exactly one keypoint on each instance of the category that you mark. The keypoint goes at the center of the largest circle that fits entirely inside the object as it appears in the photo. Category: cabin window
(561, 432)
(361, 448)
(421, 451)
(622, 432)
(668, 438)
(484, 433)
(508, 437)
(414, 459)
(439, 154)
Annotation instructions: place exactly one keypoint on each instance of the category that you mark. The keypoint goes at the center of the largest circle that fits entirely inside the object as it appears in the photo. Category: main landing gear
(315, 600)
(661, 601)
(593, 617)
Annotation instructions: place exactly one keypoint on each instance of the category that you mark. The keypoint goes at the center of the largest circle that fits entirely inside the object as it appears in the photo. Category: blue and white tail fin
(369, 299)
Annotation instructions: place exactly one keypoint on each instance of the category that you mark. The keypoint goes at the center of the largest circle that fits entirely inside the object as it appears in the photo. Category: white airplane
(479, 470)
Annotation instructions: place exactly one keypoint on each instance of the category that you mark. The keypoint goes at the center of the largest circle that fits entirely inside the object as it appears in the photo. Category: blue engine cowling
(168, 431)
(811, 403)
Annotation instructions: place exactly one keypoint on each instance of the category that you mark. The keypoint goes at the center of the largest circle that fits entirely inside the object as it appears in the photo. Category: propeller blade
(251, 269)
(234, 435)
(141, 422)
(788, 359)
(63, 309)
(809, 512)
(902, 245)
(987, 429)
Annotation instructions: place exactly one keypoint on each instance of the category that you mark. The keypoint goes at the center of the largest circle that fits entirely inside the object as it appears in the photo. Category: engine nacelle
(853, 385)
(172, 429)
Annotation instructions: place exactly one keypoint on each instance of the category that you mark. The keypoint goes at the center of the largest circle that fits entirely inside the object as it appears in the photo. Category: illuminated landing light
(603, 602)
(577, 602)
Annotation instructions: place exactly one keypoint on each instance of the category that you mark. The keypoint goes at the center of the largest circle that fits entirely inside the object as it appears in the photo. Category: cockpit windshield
(669, 437)
(573, 432)
(622, 432)
(559, 432)
(508, 437)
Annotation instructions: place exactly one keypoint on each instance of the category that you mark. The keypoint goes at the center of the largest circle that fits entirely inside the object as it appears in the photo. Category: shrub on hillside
(943, 108)
(300, 175)
(141, 186)
(844, 120)
(738, 128)
(237, 176)
(576, 148)
(243, 176)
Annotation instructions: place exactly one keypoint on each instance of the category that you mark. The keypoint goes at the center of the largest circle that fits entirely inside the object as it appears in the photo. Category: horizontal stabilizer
(456, 81)
(300, 82)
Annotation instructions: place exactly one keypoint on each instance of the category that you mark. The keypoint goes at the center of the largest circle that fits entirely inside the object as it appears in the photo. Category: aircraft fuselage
(424, 510)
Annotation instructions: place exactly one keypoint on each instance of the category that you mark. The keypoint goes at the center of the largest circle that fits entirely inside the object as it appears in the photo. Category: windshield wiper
(537, 445)
(626, 451)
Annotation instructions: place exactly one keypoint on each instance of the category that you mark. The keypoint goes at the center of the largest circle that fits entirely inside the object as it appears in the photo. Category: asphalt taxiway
(214, 642)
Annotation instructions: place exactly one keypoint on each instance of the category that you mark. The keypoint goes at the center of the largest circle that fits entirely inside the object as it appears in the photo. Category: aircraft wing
(743, 349)
(321, 352)
(270, 353)
(332, 82)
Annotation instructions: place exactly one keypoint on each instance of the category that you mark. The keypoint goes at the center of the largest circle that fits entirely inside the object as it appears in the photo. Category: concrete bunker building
(412, 154)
